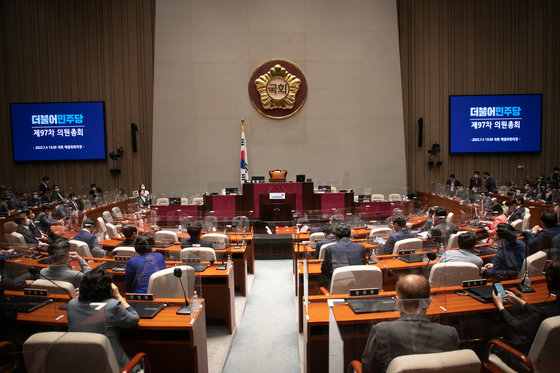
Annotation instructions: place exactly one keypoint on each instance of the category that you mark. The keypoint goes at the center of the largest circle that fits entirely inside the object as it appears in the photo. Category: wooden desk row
(472, 319)
(172, 342)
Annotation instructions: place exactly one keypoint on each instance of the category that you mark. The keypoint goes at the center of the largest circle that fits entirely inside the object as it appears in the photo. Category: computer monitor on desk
(234, 191)
(257, 179)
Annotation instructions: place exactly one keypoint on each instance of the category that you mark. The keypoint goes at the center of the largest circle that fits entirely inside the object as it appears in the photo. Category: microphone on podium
(178, 272)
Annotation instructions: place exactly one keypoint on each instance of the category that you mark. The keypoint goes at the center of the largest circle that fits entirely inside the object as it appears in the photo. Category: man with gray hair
(61, 255)
(412, 333)
(344, 252)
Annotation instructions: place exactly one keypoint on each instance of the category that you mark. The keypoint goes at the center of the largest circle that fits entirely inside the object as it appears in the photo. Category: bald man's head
(410, 290)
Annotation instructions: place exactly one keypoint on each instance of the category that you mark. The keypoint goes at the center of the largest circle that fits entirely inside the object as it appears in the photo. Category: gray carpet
(267, 337)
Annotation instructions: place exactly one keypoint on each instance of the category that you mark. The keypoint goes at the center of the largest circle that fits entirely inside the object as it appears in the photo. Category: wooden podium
(277, 210)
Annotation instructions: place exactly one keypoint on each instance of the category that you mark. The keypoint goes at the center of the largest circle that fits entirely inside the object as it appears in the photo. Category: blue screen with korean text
(500, 123)
(58, 131)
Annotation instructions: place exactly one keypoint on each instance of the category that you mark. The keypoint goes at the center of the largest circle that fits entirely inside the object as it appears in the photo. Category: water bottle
(441, 249)
(228, 266)
(194, 305)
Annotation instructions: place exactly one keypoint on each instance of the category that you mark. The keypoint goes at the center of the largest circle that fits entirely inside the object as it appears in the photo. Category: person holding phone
(521, 332)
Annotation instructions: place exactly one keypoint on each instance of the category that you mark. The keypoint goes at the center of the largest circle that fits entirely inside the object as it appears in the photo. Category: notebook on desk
(374, 304)
(147, 310)
(25, 304)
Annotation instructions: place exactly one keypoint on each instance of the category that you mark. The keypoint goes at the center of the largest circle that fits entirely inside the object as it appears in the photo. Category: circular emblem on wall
(277, 89)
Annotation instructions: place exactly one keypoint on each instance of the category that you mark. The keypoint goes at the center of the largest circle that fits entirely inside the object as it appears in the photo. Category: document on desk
(373, 304)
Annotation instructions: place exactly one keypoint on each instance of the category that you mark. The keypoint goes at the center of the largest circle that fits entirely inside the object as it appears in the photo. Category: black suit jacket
(517, 214)
(27, 235)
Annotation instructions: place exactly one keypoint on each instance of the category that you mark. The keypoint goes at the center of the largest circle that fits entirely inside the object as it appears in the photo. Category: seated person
(327, 230)
(498, 217)
(194, 229)
(9, 283)
(515, 210)
(4, 208)
(86, 235)
(542, 238)
(344, 252)
(97, 287)
(398, 224)
(441, 230)
(509, 258)
(130, 232)
(412, 333)
(430, 220)
(23, 229)
(59, 270)
(140, 268)
(522, 331)
(467, 242)
(32, 227)
(35, 200)
(45, 221)
(462, 193)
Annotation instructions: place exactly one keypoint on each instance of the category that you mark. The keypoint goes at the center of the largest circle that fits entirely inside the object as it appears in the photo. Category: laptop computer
(373, 304)
(147, 310)
(484, 293)
(24, 304)
(413, 258)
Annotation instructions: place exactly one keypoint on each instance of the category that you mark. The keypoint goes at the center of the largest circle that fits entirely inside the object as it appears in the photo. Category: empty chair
(166, 236)
(206, 254)
(333, 189)
(117, 213)
(542, 356)
(323, 248)
(223, 192)
(55, 287)
(393, 197)
(408, 244)
(453, 241)
(449, 217)
(377, 197)
(526, 220)
(503, 190)
(101, 230)
(452, 274)
(517, 224)
(164, 284)
(184, 201)
(210, 223)
(112, 230)
(380, 232)
(124, 252)
(85, 352)
(162, 202)
(80, 247)
(15, 237)
(219, 241)
(240, 222)
(459, 361)
(355, 277)
(317, 236)
(9, 227)
(107, 217)
(535, 263)
(197, 201)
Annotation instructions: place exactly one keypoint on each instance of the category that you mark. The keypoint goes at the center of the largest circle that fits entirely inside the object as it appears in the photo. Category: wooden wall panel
(80, 50)
(460, 47)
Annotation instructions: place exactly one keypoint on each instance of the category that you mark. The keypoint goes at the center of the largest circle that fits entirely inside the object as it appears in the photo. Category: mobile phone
(500, 290)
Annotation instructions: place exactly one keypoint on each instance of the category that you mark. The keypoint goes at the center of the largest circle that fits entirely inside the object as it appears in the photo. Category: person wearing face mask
(146, 191)
(86, 235)
(555, 178)
(509, 258)
(411, 333)
(35, 200)
(23, 229)
(46, 220)
(475, 183)
(497, 217)
(73, 202)
(32, 227)
(490, 183)
(57, 194)
(95, 191)
(59, 269)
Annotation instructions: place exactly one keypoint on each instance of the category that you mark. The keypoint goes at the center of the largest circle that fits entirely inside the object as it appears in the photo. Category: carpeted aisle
(267, 337)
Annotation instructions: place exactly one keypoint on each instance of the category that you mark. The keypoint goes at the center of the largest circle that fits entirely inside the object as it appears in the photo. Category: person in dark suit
(412, 333)
(142, 200)
(531, 192)
(35, 200)
(344, 252)
(86, 235)
(541, 238)
(130, 233)
(475, 182)
(4, 209)
(327, 230)
(116, 313)
(47, 196)
(45, 221)
(451, 185)
(490, 183)
(57, 194)
(23, 229)
(95, 192)
(515, 210)
(32, 227)
(521, 332)
(194, 229)
(44, 185)
(441, 230)
(73, 202)
(398, 224)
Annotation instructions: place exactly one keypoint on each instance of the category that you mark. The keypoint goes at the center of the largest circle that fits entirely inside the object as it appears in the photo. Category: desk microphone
(431, 256)
(178, 272)
(34, 271)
